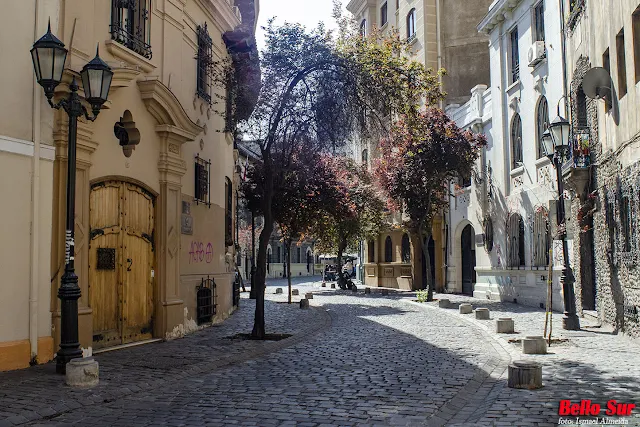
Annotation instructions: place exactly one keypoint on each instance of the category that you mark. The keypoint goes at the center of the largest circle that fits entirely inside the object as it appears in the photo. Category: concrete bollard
(385, 292)
(278, 290)
(82, 373)
(534, 345)
(333, 286)
(482, 314)
(304, 303)
(367, 290)
(525, 374)
(444, 303)
(294, 292)
(308, 295)
(465, 308)
(324, 285)
(505, 325)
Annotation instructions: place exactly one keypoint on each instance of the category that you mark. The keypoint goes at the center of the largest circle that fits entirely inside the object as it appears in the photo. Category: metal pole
(253, 294)
(570, 320)
(69, 291)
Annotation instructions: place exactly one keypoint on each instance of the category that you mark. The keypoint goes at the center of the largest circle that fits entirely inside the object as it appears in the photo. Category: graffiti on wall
(200, 252)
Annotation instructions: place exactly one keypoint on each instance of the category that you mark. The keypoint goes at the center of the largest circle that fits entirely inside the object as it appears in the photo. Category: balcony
(576, 170)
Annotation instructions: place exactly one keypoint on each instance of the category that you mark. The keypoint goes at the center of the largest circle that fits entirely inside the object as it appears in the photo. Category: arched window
(541, 237)
(388, 250)
(516, 142)
(542, 123)
(363, 28)
(411, 24)
(371, 251)
(365, 156)
(515, 237)
(582, 118)
(406, 249)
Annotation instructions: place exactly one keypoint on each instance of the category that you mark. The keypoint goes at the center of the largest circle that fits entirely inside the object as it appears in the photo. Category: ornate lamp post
(556, 145)
(49, 55)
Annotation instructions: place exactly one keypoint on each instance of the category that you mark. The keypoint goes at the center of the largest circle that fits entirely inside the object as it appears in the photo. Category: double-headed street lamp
(556, 144)
(49, 56)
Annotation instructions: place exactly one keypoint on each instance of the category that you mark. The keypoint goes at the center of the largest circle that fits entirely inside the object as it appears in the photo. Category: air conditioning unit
(537, 52)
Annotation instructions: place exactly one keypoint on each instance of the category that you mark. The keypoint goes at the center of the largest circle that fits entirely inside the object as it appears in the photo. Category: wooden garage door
(121, 260)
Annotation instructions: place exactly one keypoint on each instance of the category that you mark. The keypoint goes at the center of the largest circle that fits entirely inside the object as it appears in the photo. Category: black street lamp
(556, 144)
(49, 55)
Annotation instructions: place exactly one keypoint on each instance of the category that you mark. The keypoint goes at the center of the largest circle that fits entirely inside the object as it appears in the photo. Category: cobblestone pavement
(360, 360)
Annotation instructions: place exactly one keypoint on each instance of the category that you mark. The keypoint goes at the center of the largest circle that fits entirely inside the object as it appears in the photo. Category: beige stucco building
(154, 218)
(442, 34)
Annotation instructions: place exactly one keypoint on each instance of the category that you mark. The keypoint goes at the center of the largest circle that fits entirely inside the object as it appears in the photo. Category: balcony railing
(130, 25)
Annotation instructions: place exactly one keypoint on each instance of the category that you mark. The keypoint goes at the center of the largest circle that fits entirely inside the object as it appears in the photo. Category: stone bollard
(333, 286)
(82, 372)
(294, 292)
(278, 290)
(308, 295)
(534, 345)
(444, 303)
(385, 292)
(465, 308)
(505, 325)
(324, 285)
(525, 374)
(367, 290)
(304, 303)
(482, 314)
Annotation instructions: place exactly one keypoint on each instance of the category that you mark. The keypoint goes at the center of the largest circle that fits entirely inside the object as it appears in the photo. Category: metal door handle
(130, 261)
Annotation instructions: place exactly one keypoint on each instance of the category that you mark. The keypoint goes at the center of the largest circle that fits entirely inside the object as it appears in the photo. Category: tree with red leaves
(418, 160)
(352, 207)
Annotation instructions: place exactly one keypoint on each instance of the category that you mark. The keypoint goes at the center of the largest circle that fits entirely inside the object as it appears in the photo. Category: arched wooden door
(468, 260)
(121, 262)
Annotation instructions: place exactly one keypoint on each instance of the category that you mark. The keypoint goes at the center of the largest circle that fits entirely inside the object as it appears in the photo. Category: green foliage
(422, 295)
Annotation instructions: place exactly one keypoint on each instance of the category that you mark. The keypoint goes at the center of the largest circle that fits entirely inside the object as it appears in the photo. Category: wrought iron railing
(131, 25)
(202, 181)
(204, 58)
(206, 300)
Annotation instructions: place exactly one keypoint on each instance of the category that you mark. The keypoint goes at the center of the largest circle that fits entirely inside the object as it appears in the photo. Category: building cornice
(499, 11)
(356, 6)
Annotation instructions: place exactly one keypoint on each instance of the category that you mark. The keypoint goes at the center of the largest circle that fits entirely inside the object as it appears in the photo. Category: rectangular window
(131, 25)
(606, 64)
(203, 172)
(636, 42)
(515, 56)
(205, 62)
(539, 22)
(383, 15)
(622, 65)
(228, 210)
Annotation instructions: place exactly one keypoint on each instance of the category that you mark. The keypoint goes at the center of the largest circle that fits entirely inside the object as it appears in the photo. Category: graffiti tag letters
(199, 253)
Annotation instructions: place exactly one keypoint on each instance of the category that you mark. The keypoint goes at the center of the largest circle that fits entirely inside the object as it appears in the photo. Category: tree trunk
(341, 247)
(288, 243)
(424, 233)
(260, 280)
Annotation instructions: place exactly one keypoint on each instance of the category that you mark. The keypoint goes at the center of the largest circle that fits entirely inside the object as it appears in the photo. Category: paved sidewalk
(592, 363)
(39, 393)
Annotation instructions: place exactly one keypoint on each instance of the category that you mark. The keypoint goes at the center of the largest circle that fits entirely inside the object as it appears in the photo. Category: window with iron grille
(516, 141)
(541, 237)
(206, 300)
(372, 251)
(202, 175)
(515, 238)
(406, 249)
(515, 56)
(363, 28)
(411, 24)
(205, 60)
(131, 25)
(228, 209)
(542, 123)
(539, 21)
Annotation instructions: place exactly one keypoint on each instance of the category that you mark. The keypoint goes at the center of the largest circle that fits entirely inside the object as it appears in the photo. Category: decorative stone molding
(130, 57)
(166, 109)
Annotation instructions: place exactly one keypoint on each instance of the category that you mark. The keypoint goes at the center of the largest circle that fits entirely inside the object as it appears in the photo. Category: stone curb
(470, 403)
(206, 367)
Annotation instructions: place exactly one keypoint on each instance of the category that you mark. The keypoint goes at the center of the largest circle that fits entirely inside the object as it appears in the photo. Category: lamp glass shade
(48, 55)
(560, 132)
(547, 143)
(96, 80)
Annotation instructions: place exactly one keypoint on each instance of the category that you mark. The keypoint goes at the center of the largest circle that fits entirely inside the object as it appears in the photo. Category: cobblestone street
(353, 359)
